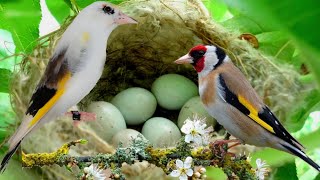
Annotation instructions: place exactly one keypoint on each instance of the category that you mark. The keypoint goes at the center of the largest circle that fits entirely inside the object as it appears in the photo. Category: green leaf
(21, 18)
(297, 62)
(318, 177)
(7, 48)
(5, 76)
(277, 158)
(215, 173)
(286, 171)
(83, 3)
(217, 8)
(69, 3)
(243, 24)
(276, 44)
(311, 57)
(59, 9)
(6, 115)
(312, 124)
(299, 115)
(298, 18)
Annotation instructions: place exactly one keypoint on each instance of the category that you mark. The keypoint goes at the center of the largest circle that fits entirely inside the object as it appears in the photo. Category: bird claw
(78, 117)
(221, 146)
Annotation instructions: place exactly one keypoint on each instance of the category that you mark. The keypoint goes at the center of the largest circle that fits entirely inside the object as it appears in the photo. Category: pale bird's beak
(125, 19)
(186, 59)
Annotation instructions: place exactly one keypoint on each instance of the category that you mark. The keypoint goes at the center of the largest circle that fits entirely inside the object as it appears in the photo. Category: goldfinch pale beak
(186, 59)
(125, 19)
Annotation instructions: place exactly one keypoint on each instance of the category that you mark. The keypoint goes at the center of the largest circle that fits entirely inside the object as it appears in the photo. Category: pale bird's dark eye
(108, 10)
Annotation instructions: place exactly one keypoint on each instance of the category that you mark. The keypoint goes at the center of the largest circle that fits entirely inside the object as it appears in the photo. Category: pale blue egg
(136, 105)
(173, 91)
(161, 132)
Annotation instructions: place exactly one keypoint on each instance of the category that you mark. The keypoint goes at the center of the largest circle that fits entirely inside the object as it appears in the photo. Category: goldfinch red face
(203, 58)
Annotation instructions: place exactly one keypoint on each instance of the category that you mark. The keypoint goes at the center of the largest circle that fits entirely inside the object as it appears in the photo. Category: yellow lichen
(203, 153)
(40, 159)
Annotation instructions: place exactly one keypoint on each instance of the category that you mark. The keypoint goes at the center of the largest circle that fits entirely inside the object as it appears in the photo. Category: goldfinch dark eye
(197, 54)
(108, 10)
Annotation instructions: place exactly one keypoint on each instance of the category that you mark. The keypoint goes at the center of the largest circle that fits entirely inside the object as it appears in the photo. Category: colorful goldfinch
(229, 97)
(73, 70)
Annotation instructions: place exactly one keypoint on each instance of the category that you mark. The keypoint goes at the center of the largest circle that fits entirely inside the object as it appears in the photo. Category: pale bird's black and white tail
(298, 152)
(7, 157)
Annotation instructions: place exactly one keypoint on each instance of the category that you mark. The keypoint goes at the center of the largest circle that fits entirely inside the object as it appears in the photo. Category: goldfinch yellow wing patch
(243, 105)
(253, 114)
(47, 106)
(264, 117)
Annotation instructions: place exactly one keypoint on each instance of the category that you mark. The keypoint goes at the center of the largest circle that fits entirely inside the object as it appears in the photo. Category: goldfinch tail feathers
(298, 152)
(8, 156)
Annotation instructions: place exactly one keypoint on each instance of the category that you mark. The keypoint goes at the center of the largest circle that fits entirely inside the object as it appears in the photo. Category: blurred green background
(286, 30)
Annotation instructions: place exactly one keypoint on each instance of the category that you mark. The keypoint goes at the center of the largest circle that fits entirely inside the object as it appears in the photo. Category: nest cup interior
(137, 55)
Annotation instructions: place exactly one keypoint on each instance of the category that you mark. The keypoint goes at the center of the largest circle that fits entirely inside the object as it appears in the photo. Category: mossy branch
(140, 150)
(43, 159)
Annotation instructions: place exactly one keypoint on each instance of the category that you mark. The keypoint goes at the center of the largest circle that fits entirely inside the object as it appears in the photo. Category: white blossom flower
(94, 173)
(183, 169)
(262, 169)
(196, 131)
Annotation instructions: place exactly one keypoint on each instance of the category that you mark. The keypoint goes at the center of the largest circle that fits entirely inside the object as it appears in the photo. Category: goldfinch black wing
(242, 99)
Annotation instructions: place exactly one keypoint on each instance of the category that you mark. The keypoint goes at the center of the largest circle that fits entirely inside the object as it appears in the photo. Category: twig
(140, 150)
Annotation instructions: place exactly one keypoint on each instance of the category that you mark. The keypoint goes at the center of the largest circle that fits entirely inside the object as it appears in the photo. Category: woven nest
(137, 55)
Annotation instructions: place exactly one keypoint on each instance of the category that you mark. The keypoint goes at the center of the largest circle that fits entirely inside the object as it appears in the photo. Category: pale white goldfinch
(73, 70)
(228, 97)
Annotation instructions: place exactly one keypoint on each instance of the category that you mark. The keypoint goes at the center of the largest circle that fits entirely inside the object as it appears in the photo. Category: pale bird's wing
(49, 90)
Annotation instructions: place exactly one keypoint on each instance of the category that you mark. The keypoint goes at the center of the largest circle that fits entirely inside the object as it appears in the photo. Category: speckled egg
(136, 105)
(173, 91)
(193, 107)
(125, 137)
(109, 119)
(161, 132)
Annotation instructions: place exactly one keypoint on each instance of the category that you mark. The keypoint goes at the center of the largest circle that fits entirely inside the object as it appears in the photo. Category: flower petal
(175, 173)
(189, 172)
(179, 164)
(187, 162)
(183, 177)
(186, 128)
(197, 139)
(188, 138)
(258, 162)
(201, 129)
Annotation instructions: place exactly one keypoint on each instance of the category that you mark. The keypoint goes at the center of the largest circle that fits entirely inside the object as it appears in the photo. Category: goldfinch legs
(230, 99)
(223, 145)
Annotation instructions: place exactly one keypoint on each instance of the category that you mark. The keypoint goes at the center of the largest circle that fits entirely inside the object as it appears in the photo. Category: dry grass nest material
(137, 55)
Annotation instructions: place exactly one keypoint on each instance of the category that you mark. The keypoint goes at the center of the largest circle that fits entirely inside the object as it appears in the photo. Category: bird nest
(138, 54)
